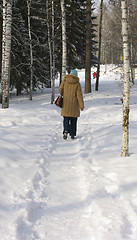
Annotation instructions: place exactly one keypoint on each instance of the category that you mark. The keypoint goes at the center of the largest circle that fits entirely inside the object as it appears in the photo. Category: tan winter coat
(72, 96)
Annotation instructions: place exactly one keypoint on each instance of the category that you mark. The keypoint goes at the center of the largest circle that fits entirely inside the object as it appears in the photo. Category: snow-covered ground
(78, 189)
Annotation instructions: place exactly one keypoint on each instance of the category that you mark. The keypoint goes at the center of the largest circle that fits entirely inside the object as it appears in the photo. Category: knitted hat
(74, 72)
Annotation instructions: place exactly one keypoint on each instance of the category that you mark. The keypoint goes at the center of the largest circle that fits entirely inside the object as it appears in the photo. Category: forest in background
(41, 23)
(112, 43)
(41, 29)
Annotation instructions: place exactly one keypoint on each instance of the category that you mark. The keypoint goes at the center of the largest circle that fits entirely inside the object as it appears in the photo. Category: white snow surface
(81, 189)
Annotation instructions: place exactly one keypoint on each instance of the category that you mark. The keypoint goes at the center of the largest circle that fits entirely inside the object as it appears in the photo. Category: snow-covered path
(69, 190)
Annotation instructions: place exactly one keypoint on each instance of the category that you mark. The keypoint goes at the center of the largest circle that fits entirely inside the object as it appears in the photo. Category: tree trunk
(49, 43)
(88, 48)
(99, 50)
(3, 45)
(0, 41)
(64, 40)
(130, 32)
(6, 51)
(126, 59)
(131, 63)
(31, 51)
(53, 55)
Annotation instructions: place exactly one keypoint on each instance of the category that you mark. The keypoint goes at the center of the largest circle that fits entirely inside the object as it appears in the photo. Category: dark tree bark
(88, 48)
(99, 50)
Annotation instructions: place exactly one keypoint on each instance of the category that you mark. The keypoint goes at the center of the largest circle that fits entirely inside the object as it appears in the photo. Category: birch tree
(31, 51)
(88, 48)
(125, 132)
(130, 32)
(6, 51)
(64, 39)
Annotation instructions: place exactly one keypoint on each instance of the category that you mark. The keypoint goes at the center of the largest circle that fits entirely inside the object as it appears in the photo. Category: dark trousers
(70, 125)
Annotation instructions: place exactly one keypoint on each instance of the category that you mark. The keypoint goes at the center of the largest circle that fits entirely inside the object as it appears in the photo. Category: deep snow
(78, 189)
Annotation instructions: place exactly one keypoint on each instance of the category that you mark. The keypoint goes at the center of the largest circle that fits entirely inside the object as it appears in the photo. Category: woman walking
(70, 88)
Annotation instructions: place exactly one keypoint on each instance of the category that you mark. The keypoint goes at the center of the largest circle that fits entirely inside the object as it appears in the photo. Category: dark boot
(65, 135)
